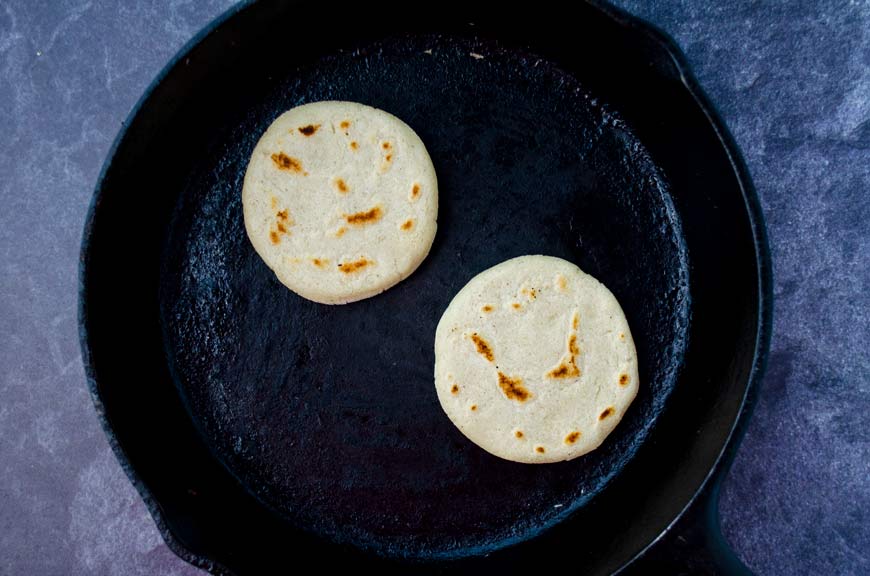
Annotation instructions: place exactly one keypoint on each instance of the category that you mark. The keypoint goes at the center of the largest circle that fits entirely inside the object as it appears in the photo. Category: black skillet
(264, 430)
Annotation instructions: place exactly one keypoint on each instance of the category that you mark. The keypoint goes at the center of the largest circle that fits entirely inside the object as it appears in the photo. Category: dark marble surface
(792, 80)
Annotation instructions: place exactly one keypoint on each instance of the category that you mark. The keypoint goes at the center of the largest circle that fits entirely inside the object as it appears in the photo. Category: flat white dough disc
(534, 361)
(340, 200)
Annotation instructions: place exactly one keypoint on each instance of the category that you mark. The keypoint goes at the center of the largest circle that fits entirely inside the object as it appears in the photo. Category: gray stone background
(792, 80)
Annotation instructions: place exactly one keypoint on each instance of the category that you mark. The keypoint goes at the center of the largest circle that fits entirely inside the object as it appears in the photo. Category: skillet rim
(710, 485)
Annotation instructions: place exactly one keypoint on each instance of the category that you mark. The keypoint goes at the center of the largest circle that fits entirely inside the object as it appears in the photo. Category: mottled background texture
(792, 81)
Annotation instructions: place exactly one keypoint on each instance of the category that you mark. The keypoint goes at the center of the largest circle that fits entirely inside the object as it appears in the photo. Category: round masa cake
(534, 360)
(340, 200)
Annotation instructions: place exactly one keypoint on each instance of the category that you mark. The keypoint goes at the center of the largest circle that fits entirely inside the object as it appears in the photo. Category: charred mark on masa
(355, 266)
(282, 221)
(567, 367)
(572, 345)
(284, 162)
(483, 347)
(513, 388)
(363, 218)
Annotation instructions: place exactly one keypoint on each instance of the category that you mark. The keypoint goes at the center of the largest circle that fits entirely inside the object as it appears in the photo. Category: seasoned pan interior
(328, 414)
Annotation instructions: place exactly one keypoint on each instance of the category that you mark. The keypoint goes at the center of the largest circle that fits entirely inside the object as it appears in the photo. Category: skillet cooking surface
(328, 414)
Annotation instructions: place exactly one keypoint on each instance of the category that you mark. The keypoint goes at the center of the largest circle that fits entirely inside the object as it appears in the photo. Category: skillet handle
(694, 544)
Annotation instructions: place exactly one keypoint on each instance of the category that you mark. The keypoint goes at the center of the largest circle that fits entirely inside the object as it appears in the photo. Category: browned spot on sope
(516, 305)
(340, 232)
(622, 336)
(567, 367)
(285, 162)
(518, 433)
(572, 437)
(319, 262)
(513, 388)
(561, 283)
(483, 347)
(474, 407)
(540, 449)
(388, 158)
(341, 185)
(454, 389)
(363, 218)
(415, 191)
(563, 371)
(572, 345)
(487, 308)
(282, 222)
(354, 145)
(345, 124)
(309, 130)
(607, 412)
(407, 225)
(530, 293)
(355, 266)
(623, 379)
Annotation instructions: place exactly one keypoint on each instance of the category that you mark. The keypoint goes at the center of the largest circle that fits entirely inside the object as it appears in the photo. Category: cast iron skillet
(260, 427)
